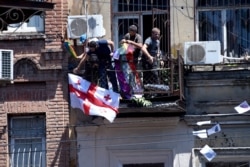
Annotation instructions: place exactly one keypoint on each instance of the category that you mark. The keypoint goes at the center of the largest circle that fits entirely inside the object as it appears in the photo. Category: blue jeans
(107, 70)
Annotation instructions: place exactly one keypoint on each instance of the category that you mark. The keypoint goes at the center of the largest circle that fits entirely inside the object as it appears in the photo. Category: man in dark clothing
(103, 50)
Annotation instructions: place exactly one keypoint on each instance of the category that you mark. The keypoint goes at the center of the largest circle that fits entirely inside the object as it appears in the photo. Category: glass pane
(32, 127)
(34, 21)
(238, 32)
(210, 26)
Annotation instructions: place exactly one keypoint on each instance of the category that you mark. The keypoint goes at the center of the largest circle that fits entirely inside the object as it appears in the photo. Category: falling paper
(203, 123)
(242, 108)
(201, 133)
(208, 153)
(216, 128)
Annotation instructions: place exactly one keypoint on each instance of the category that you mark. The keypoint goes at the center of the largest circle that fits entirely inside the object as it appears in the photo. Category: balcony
(158, 99)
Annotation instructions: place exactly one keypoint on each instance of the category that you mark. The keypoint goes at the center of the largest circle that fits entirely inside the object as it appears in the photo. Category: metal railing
(161, 81)
(27, 158)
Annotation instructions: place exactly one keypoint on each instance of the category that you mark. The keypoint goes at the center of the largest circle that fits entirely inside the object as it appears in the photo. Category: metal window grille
(27, 147)
(230, 25)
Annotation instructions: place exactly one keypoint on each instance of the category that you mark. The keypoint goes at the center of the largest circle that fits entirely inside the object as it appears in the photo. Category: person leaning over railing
(83, 59)
(103, 49)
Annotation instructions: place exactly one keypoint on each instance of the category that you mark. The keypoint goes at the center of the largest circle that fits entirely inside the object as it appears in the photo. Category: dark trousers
(150, 73)
(107, 70)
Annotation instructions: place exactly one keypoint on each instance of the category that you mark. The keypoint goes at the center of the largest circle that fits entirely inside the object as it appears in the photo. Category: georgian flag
(242, 108)
(91, 99)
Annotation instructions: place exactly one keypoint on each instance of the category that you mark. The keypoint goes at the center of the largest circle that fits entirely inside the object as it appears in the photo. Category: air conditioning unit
(6, 64)
(202, 52)
(92, 25)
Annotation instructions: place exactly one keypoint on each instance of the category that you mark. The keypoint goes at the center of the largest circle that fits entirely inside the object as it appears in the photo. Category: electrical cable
(139, 137)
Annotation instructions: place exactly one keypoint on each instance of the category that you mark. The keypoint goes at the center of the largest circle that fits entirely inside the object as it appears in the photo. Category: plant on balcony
(140, 102)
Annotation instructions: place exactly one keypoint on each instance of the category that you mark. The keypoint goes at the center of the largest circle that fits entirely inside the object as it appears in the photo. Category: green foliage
(141, 102)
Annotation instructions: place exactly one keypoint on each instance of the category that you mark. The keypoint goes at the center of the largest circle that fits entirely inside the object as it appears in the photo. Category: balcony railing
(143, 82)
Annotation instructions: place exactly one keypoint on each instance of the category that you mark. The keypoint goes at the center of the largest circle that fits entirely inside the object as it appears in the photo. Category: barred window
(27, 141)
(226, 21)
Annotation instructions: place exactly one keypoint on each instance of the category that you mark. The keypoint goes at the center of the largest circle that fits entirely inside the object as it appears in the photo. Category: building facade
(34, 101)
(208, 87)
(205, 48)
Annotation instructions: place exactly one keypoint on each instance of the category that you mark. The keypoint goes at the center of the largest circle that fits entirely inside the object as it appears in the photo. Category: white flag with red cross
(92, 99)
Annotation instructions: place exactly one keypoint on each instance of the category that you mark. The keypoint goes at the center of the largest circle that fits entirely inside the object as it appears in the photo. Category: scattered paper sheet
(216, 128)
(208, 153)
(203, 122)
(201, 133)
(242, 108)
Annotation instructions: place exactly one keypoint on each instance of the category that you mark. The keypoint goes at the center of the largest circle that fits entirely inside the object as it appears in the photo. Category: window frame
(118, 158)
(121, 17)
(223, 28)
(13, 138)
(27, 26)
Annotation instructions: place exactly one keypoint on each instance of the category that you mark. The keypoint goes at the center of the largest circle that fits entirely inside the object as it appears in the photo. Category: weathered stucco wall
(181, 18)
(181, 24)
(82, 7)
(216, 92)
(128, 141)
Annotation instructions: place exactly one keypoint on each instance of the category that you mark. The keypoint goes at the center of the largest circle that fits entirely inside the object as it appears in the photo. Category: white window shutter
(6, 64)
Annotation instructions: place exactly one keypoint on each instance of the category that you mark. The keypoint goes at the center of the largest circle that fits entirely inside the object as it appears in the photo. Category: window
(35, 24)
(226, 21)
(145, 14)
(27, 141)
(141, 158)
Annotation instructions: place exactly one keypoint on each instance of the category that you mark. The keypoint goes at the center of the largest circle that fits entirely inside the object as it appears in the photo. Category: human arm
(111, 44)
(83, 59)
(146, 53)
(138, 45)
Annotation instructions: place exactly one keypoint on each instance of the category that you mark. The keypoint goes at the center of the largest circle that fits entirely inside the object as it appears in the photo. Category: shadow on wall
(76, 7)
(174, 49)
(62, 152)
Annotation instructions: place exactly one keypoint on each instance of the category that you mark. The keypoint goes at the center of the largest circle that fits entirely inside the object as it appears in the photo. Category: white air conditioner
(6, 64)
(202, 52)
(92, 25)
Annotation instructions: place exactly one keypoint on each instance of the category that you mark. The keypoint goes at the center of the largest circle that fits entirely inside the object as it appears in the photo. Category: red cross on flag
(92, 99)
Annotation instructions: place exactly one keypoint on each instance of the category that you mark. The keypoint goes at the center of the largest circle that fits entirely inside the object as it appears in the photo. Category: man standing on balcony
(135, 39)
(103, 50)
(150, 58)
